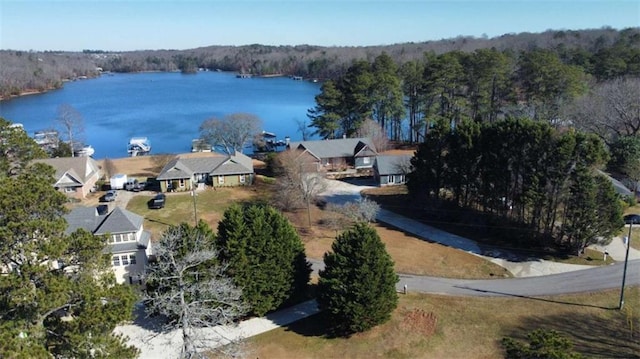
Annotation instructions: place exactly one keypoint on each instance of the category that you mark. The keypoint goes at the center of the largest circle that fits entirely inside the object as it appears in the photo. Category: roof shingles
(342, 147)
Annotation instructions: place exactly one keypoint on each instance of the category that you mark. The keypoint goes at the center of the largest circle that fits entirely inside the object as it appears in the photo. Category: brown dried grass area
(436, 326)
(410, 254)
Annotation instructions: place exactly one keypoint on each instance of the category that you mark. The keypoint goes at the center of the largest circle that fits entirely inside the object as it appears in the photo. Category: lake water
(167, 108)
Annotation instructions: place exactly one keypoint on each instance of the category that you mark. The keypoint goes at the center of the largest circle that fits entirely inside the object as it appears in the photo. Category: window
(366, 160)
(391, 179)
(220, 179)
(242, 179)
(69, 189)
(125, 260)
(117, 238)
(116, 261)
(181, 182)
(132, 258)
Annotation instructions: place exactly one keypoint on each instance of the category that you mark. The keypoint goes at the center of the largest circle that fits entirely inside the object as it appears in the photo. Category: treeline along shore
(602, 53)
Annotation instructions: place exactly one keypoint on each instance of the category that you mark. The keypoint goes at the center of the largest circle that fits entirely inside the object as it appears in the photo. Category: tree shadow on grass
(312, 326)
(592, 335)
(317, 325)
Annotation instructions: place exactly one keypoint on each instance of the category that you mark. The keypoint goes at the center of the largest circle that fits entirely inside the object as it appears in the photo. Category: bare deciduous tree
(610, 110)
(371, 129)
(72, 125)
(161, 160)
(303, 129)
(231, 132)
(334, 217)
(188, 287)
(109, 167)
(296, 184)
(360, 210)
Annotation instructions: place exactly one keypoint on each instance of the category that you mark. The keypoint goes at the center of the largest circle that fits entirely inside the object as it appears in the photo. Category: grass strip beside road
(433, 326)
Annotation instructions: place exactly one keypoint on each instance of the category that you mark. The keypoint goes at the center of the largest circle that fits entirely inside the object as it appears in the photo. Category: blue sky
(183, 24)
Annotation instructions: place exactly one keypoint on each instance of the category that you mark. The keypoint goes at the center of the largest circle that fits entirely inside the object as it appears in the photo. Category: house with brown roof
(128, 243)
(187, 173)
(338, 154)
(74, 176)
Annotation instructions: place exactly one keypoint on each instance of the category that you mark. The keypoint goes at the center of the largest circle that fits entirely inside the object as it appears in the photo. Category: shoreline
(25, 93)
(30, 92)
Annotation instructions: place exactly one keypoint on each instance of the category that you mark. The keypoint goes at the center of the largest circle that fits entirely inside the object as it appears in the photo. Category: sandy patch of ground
(399, 152)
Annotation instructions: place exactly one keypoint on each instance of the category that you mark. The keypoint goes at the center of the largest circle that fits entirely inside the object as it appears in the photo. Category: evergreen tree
(265, 254)
(357, 287)
(543, 344)
(388, 108)
(327, 115)
(429, 162)
(58, 295)
(16, 149)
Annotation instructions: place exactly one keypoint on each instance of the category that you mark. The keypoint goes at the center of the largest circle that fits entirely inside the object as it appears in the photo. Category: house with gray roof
(187, 173)
(128, 243)
(74, 176)
(389, 170)
(618, 186)
(338, 154)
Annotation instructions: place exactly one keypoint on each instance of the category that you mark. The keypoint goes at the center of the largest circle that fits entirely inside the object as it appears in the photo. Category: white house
(128, 242)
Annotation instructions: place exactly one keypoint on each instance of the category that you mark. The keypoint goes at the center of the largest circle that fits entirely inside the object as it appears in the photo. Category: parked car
(632, 219)
(131, 184)
(141, 186)
(110, 196)
(157, 202)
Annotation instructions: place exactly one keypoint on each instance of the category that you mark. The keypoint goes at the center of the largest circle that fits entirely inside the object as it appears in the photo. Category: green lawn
(635, 230)
(179, 207)
(635, 236)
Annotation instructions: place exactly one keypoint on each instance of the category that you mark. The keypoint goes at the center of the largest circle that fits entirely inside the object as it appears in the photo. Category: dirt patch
(141, 166)
(419, 321)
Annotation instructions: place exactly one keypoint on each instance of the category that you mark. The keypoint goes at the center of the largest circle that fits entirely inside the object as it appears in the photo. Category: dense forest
(603, 53)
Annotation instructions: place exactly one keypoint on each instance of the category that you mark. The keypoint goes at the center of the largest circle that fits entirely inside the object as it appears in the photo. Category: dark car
(110, 196)
(157, 202)
(141, 186)
(632, 219)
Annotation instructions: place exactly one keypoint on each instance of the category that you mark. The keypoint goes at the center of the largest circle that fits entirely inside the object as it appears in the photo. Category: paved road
(576, 281)
(571, 279)
(520, 266)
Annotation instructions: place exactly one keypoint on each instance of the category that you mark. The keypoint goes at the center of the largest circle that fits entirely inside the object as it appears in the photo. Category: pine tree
(357, 287)
(58, 296)
(265, 255)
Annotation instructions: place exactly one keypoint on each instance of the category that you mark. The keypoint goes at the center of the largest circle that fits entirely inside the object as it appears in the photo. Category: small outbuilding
(391, 170)
(118, 181)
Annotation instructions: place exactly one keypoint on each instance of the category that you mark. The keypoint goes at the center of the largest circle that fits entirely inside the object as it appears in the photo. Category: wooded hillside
(605, 53)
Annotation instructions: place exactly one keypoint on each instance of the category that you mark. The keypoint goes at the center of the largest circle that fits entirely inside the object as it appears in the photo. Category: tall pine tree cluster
(265, 256)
